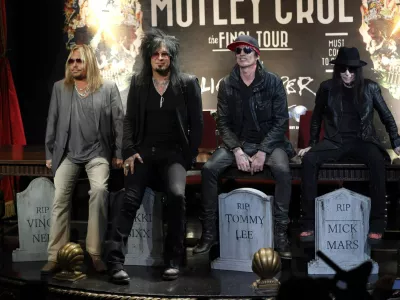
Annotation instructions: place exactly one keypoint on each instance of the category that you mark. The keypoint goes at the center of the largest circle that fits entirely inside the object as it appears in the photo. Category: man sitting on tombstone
(252, 121)
(84, 129)
(346, 104)
(163, 104)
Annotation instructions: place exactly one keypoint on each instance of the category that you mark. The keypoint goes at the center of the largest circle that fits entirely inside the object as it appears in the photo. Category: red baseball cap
(245, 40)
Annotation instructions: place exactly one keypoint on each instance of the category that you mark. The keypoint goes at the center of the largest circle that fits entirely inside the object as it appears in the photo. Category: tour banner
(297, 38)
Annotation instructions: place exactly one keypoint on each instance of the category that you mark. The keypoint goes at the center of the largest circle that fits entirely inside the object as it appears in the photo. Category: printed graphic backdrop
(298, 38)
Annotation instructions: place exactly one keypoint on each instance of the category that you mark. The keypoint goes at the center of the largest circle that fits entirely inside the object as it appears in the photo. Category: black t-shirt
(249, 131)
(161, 123)
(350, 122)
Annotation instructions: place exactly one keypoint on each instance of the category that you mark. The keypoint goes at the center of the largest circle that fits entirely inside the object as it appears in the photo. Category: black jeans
(222, 158)
(167, 167)
(364, 152)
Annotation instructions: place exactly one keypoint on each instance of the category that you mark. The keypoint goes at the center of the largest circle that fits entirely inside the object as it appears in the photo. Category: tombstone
(145, 243)
(245, 226)
(342, 224)
(34, 212)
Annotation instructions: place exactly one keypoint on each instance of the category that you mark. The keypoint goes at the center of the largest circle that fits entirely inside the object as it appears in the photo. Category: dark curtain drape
(11, 127)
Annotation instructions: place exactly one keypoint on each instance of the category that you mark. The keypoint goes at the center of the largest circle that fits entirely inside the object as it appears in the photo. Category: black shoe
(204, 245)
(172, 270)
(208, 237)
(282, 244)
(309, 238)
(120, 277)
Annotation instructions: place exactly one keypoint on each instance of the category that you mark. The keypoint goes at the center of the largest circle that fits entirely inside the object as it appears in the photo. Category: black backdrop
(34, 43)
(37, 52)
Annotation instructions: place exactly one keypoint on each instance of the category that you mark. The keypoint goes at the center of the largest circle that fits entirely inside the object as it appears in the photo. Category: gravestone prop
(145, 243)
(245, 226)
(34, 212)
(342, 224)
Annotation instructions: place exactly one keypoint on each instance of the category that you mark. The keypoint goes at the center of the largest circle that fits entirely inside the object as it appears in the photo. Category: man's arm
(280, 117)
(117, 112)
(317, 115)
(128, 148)
(52, 119)
(386, 116)
(195, 106)
(229, 138)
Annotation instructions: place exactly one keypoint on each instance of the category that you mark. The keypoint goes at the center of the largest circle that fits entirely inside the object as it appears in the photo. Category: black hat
(348, 57)
(244, 40)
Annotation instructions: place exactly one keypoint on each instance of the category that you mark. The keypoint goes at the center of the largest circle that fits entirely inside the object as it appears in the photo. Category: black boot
(174, 242)
(119, 277)
(282, 244)
(172, 268)
(208, 237)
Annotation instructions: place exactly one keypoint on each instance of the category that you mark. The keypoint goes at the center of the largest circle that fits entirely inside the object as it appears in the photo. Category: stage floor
(196, 282)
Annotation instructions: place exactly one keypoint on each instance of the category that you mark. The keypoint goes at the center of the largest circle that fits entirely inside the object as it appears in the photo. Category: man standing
(346, 103)
(162, 132)
(252, 120)
(84, 129)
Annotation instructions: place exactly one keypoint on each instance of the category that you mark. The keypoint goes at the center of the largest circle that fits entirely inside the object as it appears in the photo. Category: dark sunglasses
(246, 50)
(343, 69)
(156, 55)
(78, 61)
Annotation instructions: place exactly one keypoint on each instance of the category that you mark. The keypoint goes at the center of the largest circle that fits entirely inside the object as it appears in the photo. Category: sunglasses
(78, 61)
(343, 69)
(246, 50)
(156, 55)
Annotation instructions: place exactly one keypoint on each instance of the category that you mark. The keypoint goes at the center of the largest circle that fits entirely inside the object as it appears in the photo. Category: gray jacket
(109, 115)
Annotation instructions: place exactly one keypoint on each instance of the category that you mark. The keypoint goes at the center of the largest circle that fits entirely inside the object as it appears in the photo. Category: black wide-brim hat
(348, 57)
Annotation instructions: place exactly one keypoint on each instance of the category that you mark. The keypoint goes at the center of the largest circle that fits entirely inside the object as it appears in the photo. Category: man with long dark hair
(346, 104)
(162, 132)
(252, 120)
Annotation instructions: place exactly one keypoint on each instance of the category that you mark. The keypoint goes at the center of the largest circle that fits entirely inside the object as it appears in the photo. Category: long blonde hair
(93, 75)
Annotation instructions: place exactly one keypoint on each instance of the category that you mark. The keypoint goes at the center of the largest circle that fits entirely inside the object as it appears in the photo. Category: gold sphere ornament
(70, 259)
(266, 264)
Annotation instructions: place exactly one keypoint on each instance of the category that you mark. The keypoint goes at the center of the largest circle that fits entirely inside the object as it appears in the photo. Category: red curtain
(11, 127)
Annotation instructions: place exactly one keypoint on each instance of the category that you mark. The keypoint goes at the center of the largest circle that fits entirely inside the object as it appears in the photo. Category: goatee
(163, 72)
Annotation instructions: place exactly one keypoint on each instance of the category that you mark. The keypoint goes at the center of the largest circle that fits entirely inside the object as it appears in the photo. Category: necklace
(84, 92)
(164, 85)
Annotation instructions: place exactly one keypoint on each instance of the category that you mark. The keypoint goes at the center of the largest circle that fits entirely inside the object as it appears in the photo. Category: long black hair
(151, 41)
(358, 87)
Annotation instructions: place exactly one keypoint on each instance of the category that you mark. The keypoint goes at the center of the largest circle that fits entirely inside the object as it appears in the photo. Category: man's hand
(117, 163)
(258, 161)
(242, 160)
(303, 152)
(129, 164)
(397, 151)
(48, 163)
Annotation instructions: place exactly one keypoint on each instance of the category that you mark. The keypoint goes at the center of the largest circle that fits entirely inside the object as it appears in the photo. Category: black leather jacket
(189, 116)
(328, 107)
(268, 108)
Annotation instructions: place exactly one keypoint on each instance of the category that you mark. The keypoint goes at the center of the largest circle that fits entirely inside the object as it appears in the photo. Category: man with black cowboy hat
(346, 104)
(252, 121)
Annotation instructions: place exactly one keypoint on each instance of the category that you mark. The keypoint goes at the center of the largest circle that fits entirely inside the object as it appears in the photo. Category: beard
(163, 72)
(79, 77)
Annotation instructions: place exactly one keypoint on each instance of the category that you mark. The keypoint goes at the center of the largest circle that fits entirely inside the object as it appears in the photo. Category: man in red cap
(252, 120)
